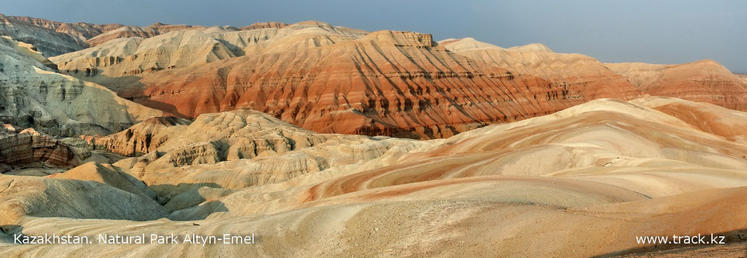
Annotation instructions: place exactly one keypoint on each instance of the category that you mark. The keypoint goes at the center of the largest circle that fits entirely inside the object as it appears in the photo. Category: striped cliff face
(335, 80)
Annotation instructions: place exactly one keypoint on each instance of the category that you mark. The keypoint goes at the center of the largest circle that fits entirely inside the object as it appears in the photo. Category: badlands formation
(583, 181)
(301, 134)
(34, 95)
(338, 80)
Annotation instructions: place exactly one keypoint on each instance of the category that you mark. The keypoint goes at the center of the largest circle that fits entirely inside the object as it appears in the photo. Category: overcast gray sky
(653, 31)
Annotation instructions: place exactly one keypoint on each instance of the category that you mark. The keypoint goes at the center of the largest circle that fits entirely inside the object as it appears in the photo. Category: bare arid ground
(316, 140)
(584, 181)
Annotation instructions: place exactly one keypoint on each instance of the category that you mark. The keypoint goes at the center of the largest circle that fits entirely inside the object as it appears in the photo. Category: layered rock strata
(33, 95)
(28, 148)
(329, 79)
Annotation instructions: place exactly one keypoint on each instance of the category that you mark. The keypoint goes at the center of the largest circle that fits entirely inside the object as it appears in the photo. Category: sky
(651, 31)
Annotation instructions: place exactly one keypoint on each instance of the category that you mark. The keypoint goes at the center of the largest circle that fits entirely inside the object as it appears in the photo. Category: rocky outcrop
(211, 138)
(264, 148)
(141, 138)
(79, 30)
(29, 148)
(184, 48)
(33, 95)
(702, 81)
(48, 41)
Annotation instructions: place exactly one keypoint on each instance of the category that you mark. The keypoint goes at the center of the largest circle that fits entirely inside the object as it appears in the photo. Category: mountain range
(339, 80)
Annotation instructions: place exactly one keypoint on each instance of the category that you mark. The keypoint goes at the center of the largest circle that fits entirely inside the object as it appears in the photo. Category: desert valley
(320, 140)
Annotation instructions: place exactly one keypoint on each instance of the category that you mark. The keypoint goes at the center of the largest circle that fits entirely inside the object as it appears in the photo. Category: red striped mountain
(333, 79)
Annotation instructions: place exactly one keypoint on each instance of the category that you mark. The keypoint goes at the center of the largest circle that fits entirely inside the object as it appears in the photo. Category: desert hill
(384, 82)
(574, 72)
(135, 31)
(610, 169)
(376, 83)
(705, 81)
(32, 94)
(246, 147)
(43, 197)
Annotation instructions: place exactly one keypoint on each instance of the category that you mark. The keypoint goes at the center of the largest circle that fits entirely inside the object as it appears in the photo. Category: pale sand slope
(580, 182)
(708, 118)
(43, 197)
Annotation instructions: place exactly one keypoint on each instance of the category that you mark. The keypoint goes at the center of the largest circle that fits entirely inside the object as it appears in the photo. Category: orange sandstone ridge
(334, 79)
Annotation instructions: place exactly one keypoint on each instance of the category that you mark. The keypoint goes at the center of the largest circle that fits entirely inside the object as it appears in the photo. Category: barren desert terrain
(316, 140)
